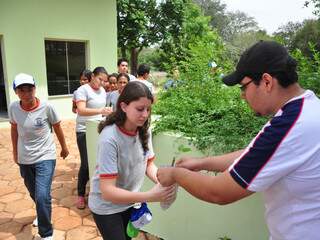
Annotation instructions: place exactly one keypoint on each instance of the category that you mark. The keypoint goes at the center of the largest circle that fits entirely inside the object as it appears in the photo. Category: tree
(316, 4)
(227, 24)
(239, 22)
(217, 11)
(243, 40)
(308, 33)
(143, 23)
(286, 33)
(195, 30)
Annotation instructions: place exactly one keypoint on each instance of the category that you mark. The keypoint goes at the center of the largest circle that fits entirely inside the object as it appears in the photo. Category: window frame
(86, 62)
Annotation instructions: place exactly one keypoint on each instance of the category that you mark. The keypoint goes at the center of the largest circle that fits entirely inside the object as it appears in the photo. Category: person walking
(34, 150)
(282, 161)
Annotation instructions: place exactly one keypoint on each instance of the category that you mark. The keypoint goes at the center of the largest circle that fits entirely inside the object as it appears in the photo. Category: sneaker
(35, 222)
(47, 238)
(81, 203)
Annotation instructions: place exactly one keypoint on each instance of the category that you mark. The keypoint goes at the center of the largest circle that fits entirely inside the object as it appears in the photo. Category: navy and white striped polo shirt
(283, 162)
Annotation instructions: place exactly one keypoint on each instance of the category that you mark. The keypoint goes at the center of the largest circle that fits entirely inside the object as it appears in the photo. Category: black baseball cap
(262, 57)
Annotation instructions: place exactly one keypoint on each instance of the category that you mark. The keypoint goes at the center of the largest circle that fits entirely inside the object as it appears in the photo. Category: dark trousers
(113, 226)
(38, 178)
(83, 175)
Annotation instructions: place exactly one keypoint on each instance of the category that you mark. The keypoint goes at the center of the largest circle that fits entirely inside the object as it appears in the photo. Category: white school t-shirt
(35, 138)
(94, 99)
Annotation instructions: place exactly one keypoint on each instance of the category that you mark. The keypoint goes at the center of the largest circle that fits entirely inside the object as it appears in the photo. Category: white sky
(271, 14)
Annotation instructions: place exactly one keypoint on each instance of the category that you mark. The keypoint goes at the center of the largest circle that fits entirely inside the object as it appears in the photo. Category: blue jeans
(38, 178)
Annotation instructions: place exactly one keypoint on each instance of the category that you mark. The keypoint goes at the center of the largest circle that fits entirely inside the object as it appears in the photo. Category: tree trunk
(134, 61)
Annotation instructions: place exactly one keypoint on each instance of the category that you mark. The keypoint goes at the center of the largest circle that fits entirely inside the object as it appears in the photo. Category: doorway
(3, 99)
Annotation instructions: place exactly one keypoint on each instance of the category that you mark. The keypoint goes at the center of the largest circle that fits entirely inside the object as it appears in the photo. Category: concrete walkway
(17, 210)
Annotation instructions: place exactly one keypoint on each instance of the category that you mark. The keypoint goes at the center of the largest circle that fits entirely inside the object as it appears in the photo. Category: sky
(271, 14)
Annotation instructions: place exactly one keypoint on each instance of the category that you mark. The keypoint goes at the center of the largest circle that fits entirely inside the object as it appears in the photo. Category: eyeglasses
(244, 86)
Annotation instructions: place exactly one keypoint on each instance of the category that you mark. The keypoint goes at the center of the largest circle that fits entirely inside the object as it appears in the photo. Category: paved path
(17, 210)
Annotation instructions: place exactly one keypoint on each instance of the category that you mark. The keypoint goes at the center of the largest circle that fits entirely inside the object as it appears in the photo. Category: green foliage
(224, 238)
(309, 69)
(183, 149)
(151, 56)
(298, 35)
(202, 108)
(316, 4)
(285, 34)
(194, 28)
(208, 112)
(309, 32)
(143, 23)
(237, 29)
(243, 40)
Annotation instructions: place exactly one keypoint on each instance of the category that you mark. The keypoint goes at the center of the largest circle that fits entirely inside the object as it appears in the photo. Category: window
(65, 61)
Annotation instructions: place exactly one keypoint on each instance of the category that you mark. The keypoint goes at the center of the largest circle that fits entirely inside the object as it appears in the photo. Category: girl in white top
(124, 157)
(91, 101)
(112, 97)
(85, 77)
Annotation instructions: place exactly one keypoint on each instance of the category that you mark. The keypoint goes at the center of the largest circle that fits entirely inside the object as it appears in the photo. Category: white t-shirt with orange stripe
(94, 98)
(120, 155)
(35, 138)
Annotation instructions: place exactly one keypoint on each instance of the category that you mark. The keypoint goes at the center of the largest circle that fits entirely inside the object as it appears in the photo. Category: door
(3, 100)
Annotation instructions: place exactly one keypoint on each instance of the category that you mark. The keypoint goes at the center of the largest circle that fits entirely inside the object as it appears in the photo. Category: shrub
(309, 69)
(202, 108)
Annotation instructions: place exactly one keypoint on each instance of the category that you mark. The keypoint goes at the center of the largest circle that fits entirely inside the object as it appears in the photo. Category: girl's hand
(106, 111)
(161, 194)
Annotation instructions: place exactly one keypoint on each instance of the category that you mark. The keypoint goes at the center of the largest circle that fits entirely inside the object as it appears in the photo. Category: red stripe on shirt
(108, 175)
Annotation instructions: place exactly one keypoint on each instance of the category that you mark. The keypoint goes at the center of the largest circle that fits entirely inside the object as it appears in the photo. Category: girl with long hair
(124, 157)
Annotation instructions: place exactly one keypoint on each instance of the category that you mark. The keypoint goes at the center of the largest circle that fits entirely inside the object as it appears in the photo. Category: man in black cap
(282, 161)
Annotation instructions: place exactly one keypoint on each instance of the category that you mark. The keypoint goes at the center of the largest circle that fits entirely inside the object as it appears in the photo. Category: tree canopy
(143, 23)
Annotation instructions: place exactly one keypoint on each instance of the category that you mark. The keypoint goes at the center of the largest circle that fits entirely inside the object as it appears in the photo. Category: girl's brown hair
(131, 92)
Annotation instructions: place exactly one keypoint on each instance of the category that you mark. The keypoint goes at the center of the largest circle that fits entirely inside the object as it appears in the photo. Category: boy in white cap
(33, 146)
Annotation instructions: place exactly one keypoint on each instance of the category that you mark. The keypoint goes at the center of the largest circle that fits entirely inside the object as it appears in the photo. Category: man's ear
(268, 81)
(123, 106)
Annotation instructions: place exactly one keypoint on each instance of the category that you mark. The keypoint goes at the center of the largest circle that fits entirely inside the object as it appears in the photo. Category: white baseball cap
(23, 78)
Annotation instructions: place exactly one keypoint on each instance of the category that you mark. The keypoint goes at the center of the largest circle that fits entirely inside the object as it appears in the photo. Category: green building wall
(26, 24)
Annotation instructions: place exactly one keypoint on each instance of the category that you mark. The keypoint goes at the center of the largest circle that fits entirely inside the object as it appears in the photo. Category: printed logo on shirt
(38, 122)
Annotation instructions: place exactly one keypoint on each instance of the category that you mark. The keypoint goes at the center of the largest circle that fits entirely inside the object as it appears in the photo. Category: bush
(309, 69)
(202, 108)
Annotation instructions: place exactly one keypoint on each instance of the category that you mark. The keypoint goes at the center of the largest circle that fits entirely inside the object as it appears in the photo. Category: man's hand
(190, 163)
(165, 176)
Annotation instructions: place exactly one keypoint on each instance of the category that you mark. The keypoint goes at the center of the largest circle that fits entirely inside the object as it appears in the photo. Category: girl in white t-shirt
(91, 105)
(85, 77)
(124, 157)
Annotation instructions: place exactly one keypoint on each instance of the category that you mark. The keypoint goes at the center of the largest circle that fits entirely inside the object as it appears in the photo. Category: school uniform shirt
(283, 162)
(112, 99)
(120, 156)
(147, 83)
(35, 138)
(94, 99)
